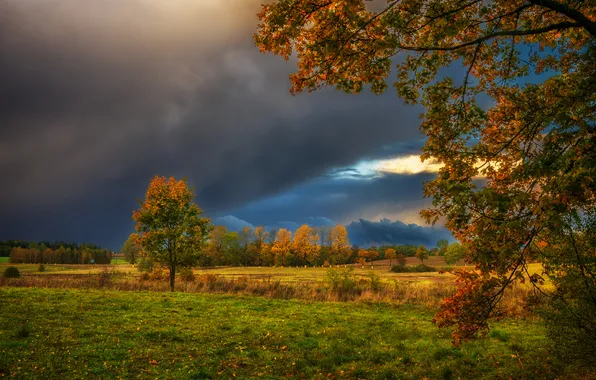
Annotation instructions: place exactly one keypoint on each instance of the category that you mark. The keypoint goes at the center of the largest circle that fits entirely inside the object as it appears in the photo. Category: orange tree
(518, 171)
(169, 227)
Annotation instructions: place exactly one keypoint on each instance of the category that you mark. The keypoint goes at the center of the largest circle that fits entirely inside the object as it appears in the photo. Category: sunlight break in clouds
(399, 165)
(407, 165)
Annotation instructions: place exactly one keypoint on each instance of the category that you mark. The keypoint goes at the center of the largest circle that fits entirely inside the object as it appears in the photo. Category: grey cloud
(366, 233)
(96, 97)
(343, 200)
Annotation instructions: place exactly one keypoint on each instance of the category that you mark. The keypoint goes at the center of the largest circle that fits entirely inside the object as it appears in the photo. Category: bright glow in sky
(407, 165)
(399, 165)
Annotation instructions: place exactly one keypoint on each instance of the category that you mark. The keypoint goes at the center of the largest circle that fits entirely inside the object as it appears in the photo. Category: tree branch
(573, 14)
(559, 26)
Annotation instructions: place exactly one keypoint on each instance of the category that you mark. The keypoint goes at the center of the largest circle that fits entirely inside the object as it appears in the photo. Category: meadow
(90, 321)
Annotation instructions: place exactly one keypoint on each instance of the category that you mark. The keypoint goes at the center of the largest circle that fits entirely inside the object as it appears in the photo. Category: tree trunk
(172, 276)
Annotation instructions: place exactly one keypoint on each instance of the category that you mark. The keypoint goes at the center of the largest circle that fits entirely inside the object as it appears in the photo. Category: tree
(442, 246)
(306, 244)
(390, 254)
(454, 253)
(260, 237)
(131, 249)
(372, 255)
(422, 253)
(401, 259)
(282, 246)
(216, 246)
(533, 144)
(169, 227)
(245, 237)
(363, 256)
(339, 244)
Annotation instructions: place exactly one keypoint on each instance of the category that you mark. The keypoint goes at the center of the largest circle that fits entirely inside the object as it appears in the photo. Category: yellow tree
(422, 253)
(132, 251)
(339, 244)
(306, 244)
(390, 254)
(260, 236)
(169, 227)
(372, 255)
(362, 256)
(215, 249)
(282, 246)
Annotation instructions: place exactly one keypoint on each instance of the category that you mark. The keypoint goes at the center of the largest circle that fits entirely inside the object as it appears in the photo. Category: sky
(97, 97)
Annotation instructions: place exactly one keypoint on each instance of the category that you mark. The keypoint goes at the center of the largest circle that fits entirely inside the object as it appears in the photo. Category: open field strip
(106, 334)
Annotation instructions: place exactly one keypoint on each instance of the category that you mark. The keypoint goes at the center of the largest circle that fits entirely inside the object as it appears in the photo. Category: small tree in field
(401, 259)
(372, 255)
(442, 247)
(169, 227)
(363, 255)
(131, 250)
(390, 254)
(362, 261)
(454, 253)
(422, 253)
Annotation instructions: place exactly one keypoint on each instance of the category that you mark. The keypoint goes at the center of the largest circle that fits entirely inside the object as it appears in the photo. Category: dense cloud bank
(367, 233)
(96, 97)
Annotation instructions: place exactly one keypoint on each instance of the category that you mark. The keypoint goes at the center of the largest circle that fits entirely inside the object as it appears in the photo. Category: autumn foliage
(519, 170)
(169, 228)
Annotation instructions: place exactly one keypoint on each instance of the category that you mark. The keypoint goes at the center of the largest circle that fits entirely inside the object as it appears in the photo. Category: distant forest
(307, 246)
(58, 252)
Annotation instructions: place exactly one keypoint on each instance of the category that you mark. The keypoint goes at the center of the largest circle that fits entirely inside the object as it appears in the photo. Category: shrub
(41, 268)
(158, 274)
(420, 268)
(423, 268)
(375, 282)
(341, 280)
(105, 277)
(187, 275)
(12, 272)
(399, 268)
(145, 265)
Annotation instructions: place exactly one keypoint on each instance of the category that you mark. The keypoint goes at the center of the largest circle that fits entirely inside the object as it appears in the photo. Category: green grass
(4, 259)
(107, 334)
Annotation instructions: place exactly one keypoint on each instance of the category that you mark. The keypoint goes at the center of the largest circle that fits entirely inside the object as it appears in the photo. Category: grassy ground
(107, 334)
(4, 259)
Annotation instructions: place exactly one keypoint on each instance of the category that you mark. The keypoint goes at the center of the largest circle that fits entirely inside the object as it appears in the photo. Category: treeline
(22, 252)
(311, 246)
(6, 246)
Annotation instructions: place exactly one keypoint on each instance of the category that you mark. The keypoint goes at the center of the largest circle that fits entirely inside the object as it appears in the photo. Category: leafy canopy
(531, 147)
(169, 227)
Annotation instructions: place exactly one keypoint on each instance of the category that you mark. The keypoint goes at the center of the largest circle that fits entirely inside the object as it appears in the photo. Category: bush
(41, 268)
(341, 281)
(375, 282)
(145, 265)
(420, 268)
(158, 274)
(12, 272)
(187, 274)
(105, 277)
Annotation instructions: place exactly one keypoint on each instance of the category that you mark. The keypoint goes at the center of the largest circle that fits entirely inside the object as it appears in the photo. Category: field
(51, 332)
(106, 322)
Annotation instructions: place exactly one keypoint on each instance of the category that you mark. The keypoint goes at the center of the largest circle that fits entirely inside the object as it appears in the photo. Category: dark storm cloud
(96, 97)
(342, 200)
(385, 232)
